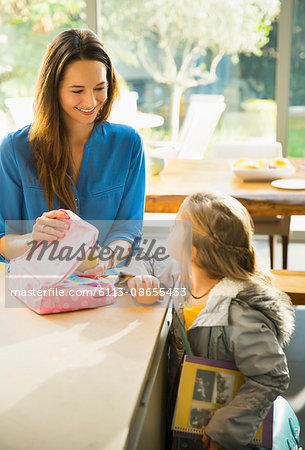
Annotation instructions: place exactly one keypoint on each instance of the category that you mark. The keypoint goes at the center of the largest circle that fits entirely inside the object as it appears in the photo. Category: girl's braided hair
(222, 232)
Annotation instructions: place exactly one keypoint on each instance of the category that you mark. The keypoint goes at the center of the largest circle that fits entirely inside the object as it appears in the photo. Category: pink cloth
(42, 282)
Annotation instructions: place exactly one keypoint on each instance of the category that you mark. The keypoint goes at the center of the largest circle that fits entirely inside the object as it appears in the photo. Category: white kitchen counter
(75, 380)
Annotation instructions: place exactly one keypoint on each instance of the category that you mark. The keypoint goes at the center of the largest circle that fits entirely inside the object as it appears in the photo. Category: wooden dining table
(165, 192)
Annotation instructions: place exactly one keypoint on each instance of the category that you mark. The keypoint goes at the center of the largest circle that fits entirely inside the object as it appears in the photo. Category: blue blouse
(110, 186)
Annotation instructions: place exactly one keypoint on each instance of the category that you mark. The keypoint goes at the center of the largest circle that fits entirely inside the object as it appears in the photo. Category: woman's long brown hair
(48, 136)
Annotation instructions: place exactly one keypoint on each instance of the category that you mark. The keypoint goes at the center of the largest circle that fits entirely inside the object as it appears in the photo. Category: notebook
(205, 386)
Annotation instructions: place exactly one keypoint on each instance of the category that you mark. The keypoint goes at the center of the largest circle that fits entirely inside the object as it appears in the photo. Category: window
(26, 28)
(246, 80)
(151, 51)
(296, 123)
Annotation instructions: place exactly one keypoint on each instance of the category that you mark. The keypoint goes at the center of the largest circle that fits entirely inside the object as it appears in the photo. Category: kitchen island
(90, 379)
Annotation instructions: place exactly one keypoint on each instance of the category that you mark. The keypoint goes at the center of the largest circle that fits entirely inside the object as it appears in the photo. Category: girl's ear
(194, 253)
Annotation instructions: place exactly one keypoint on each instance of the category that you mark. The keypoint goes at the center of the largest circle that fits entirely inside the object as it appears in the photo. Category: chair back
(124, 109)
(201, 119)
(21, 109)
(246, 149)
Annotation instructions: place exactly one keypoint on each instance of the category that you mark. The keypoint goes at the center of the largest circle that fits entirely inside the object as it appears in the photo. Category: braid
(234, 255)
(221, 231)
(232, 248)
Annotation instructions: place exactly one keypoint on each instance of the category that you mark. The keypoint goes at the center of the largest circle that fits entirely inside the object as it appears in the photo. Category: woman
(70, 156)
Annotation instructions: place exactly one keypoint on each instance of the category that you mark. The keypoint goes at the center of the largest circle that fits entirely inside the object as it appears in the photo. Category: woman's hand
(210, 444)
(50, 226)
(146, 287)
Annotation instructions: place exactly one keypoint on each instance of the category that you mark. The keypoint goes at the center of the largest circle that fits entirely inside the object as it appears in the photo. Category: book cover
(205, 386)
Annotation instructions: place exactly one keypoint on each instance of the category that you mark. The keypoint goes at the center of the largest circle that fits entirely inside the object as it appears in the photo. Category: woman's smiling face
(83, 91)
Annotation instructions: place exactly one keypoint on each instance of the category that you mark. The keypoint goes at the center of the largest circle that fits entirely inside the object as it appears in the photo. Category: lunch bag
(43, 279)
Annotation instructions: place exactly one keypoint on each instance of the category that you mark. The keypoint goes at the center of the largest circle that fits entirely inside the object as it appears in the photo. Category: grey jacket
(244, 323)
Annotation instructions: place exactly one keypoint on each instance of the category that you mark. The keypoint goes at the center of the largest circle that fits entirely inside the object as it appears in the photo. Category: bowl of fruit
(266, 169)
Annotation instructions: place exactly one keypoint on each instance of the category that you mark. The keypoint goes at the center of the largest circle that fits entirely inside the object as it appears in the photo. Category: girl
(70, 156)
(230, 313)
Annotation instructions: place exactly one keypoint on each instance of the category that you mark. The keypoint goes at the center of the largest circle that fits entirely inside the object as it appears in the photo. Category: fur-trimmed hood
(275, 305)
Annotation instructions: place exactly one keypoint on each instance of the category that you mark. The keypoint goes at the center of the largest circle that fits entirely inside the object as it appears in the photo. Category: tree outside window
(26, 28)
(181, 44)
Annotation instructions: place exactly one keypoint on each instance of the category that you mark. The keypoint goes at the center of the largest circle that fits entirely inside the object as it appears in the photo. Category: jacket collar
(216, 312)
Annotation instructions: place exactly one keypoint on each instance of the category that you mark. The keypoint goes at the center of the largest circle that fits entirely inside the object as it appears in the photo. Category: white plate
(291, 183)
(264, 174)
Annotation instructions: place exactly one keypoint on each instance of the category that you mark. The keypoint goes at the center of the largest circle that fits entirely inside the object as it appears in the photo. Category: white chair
(263, 225)
(201, 119)
(124, 109)
(200, 122)
(21, 109)
(246, 149)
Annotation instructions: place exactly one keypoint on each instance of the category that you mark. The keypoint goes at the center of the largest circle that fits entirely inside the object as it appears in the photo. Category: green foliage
(26, 28)
(297, 85)
(259, 72)
(170, 36)
(296, 137)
